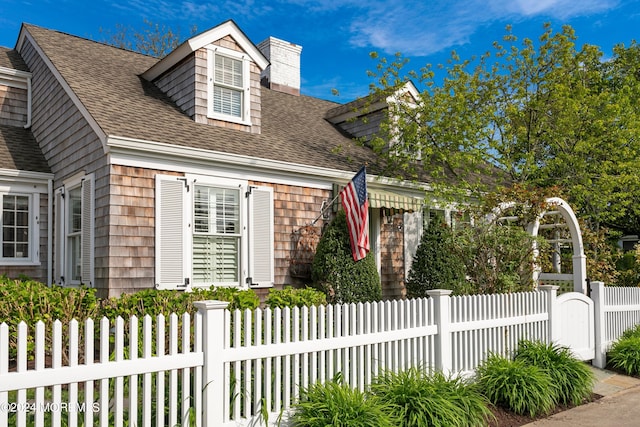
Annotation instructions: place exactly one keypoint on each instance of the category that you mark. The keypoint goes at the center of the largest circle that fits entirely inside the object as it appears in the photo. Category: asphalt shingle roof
(20, 151)
(106, 80)
(10, 58)
(18, 148)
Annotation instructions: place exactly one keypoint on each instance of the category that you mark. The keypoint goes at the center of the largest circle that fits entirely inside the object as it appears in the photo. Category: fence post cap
(439, 292)
(211, 305)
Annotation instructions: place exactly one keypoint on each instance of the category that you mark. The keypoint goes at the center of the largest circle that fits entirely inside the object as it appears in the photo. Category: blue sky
(337, 35)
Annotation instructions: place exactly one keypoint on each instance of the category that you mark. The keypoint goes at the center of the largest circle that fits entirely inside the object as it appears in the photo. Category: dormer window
(228, 85)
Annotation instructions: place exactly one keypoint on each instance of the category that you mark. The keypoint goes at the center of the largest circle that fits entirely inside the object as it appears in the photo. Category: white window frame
(174, 251)
(33, 257)
(63, 209)
(241, 187)
(245, 118)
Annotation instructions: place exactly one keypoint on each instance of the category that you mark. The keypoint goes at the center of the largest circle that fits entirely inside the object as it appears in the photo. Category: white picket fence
(616, 310)
(222, 368)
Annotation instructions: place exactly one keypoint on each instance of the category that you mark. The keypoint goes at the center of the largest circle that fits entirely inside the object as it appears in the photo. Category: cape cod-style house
(122, 171)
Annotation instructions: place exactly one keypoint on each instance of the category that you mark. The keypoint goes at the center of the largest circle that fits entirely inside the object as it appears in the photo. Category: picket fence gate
(241, 368)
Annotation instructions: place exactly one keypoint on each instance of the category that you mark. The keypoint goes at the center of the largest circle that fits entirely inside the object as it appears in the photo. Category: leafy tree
(436, 264)
(336, 273)
(545, 113)
(153, 39)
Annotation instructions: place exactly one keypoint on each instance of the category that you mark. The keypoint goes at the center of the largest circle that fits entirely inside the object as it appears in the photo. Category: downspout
(50, 233)
(28, 125)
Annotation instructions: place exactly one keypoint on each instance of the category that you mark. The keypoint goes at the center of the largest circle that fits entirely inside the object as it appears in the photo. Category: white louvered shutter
(261, 253)
(171, 254)
(87, 275)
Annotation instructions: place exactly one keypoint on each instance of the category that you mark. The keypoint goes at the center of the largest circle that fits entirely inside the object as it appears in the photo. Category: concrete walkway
(620, 406)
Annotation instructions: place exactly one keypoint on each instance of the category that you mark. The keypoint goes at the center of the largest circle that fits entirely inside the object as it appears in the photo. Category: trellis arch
(579, 260)
(578, 275)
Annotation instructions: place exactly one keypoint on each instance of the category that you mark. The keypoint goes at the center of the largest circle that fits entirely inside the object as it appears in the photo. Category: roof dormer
(15, 90)
(214, 78)
(362, 118)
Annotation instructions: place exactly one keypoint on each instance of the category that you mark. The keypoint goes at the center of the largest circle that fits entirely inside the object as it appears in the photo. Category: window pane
(227, 101)
(216, 210)
(8, 217)
(75, 260)
(22, 234)
(201, 210)
(215, 259)
(22, 219)
(75, 209)
(8, 250)
(22, 203)
(22, 250)
(228, 71)
(8, 234)
(8, 203)
(15, 226)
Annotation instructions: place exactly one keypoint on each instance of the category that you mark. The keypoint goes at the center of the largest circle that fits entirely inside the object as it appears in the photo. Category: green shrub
(154, 302)
(631, 332)
(421, 398)
(30, 301)
(628, 267)
(335, 272)
(337, 404)
(436, 264)
(625, 355)
(498, 259)
(516, 386)
(573, 380)
(290, 297)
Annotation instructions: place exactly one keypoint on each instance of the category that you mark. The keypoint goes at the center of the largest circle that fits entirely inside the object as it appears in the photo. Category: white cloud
(421, 28)
(560, 9)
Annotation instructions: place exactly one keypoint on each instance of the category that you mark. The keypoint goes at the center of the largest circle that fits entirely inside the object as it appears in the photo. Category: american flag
(356, 205)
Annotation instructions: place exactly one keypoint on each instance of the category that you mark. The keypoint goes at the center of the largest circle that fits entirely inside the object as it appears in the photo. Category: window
(74, 235)
(213, 232)
(74, 232)
(216, 235)
(19, 229)
(228, 85)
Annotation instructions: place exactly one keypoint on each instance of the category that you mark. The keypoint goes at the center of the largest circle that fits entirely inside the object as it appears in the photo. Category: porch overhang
(385, 199)
(396, 201)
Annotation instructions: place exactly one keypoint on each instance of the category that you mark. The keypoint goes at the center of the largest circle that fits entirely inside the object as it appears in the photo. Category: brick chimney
(283, 73)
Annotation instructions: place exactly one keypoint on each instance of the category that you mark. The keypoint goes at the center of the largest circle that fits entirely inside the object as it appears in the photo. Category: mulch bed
(505, 418)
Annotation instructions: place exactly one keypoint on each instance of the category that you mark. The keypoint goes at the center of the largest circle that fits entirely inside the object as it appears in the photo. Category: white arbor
(565, 221)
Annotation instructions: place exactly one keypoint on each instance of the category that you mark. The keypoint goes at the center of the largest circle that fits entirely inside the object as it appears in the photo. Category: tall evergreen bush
(436, 264)
(336, 273)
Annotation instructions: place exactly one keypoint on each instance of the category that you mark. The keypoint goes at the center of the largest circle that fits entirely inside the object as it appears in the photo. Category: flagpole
(332, 201)
(325, 208)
